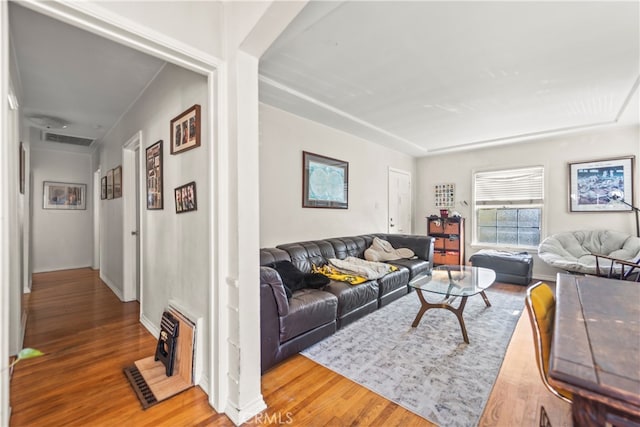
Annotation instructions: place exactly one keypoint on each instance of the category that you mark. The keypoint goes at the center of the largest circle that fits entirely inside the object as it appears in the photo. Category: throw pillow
(315, 280)
(292, 278)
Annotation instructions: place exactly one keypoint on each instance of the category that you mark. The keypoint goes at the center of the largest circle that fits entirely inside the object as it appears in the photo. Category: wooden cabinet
(449, 240)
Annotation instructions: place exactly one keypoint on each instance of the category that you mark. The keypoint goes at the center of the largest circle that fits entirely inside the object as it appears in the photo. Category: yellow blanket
(334, 274)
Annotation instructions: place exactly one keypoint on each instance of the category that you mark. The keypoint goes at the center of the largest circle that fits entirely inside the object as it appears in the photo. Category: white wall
(554, 153)
(283, 138)
(174, 246)
(62, 239)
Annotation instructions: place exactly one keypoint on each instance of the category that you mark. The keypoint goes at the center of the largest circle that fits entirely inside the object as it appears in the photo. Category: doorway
(97, 197)
(131, 237)
(399, 202)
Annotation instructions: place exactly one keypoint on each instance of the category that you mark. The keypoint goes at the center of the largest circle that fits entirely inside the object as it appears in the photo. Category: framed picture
(110, 184)
(21, 161)
(103, 191)
(154, 176)
(185, 130)
(594, 186)
(325, 182)
(64, 196)
(185, 197)
(117, 182)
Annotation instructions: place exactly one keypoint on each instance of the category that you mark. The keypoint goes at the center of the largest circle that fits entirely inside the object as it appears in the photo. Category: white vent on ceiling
(66, 139)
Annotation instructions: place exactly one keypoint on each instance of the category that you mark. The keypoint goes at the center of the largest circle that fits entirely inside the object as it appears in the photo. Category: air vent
(66, 139)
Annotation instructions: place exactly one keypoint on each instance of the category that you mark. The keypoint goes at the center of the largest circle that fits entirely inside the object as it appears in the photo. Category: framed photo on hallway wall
(185, 130)
(155, 199)
(64, 196)
(325, 182)
(595, 185)
(185, 198)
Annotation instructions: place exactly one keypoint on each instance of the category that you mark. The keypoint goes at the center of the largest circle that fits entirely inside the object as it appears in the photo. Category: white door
(131, 218)
(399, 202)
(97, 197)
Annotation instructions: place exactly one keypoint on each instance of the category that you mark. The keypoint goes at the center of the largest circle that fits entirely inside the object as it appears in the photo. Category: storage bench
(510, 267)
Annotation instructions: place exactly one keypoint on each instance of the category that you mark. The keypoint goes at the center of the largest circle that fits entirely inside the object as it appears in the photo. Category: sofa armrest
(270, 277)
(422, 246)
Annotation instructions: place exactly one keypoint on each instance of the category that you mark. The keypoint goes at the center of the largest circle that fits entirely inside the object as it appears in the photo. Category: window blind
(525, 185)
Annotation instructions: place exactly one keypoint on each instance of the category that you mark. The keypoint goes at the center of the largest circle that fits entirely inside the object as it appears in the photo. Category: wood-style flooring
(88, 336)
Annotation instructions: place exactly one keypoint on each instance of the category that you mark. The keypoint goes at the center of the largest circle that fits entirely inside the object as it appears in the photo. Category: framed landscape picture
(185, 130)
(64, 196)
(325, 182)
(154, 176)
(592, 185)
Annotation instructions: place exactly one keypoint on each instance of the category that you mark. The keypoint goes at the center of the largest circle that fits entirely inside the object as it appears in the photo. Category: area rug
(428, 370)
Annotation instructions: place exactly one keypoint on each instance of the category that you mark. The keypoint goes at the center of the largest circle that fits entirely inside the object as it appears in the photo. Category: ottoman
(510, 267)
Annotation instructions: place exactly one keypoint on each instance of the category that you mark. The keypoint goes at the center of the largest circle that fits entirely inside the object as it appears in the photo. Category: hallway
(88, 336)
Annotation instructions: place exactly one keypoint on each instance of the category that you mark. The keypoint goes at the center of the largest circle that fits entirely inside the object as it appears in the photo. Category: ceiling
(69, 76)
(421, 77)
(428, 77)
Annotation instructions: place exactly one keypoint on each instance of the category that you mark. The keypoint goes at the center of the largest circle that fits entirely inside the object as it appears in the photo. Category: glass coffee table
(452, 282)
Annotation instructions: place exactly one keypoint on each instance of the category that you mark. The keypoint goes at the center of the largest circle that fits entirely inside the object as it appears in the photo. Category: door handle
(134, 233)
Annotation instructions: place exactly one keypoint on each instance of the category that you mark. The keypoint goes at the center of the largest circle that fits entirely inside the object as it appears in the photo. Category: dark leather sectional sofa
(291, 325)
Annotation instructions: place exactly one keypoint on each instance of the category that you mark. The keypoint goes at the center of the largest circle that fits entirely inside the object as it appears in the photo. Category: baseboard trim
(148, 324)
(48, 270)
(240, 416)
(111, 286)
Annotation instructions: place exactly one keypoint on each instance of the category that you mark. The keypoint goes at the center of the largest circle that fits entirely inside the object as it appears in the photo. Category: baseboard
(240, 416)
(72, 267)
(204, 384)
(111, 286)
(148, 324)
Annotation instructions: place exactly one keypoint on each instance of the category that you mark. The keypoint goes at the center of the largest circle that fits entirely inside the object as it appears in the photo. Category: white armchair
(574, 251)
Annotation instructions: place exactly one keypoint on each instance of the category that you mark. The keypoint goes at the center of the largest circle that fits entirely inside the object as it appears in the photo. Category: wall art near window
(64, 196)
(325, 182)
(185, 130)
(445, 195)
(21, 160)
(117, 182)
(110, 184)
(103, 191)
(592, 185)
(154, 176)
(185, 197)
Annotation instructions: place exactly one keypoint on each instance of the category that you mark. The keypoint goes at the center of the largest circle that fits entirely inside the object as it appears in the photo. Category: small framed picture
(185, 130)
(64, 196)
(117, 182)
(22, 168)
(110, 184)
(185, 198)
(154, 176)
(103, 192)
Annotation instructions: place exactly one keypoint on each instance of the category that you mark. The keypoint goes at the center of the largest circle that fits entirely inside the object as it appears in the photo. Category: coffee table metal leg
(425, 305)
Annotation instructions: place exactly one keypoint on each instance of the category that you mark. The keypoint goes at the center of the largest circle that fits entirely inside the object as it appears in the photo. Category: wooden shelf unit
(449, 240)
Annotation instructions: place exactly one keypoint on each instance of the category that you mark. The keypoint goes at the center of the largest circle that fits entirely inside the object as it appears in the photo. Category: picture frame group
(596, 185)
(64, 196)
(186, 198)
(111, 184)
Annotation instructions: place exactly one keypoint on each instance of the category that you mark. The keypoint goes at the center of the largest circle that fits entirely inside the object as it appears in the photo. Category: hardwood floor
(88, 336)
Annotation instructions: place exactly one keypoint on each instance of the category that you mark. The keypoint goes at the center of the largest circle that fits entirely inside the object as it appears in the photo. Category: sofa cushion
(392, 281)
(415, 266)
(308, 309)
(351, 297)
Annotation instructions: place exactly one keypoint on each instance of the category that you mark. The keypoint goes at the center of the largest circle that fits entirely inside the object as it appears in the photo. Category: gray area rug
(428, 370)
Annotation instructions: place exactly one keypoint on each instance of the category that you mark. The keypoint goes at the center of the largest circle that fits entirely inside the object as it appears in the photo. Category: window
(508, 207)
